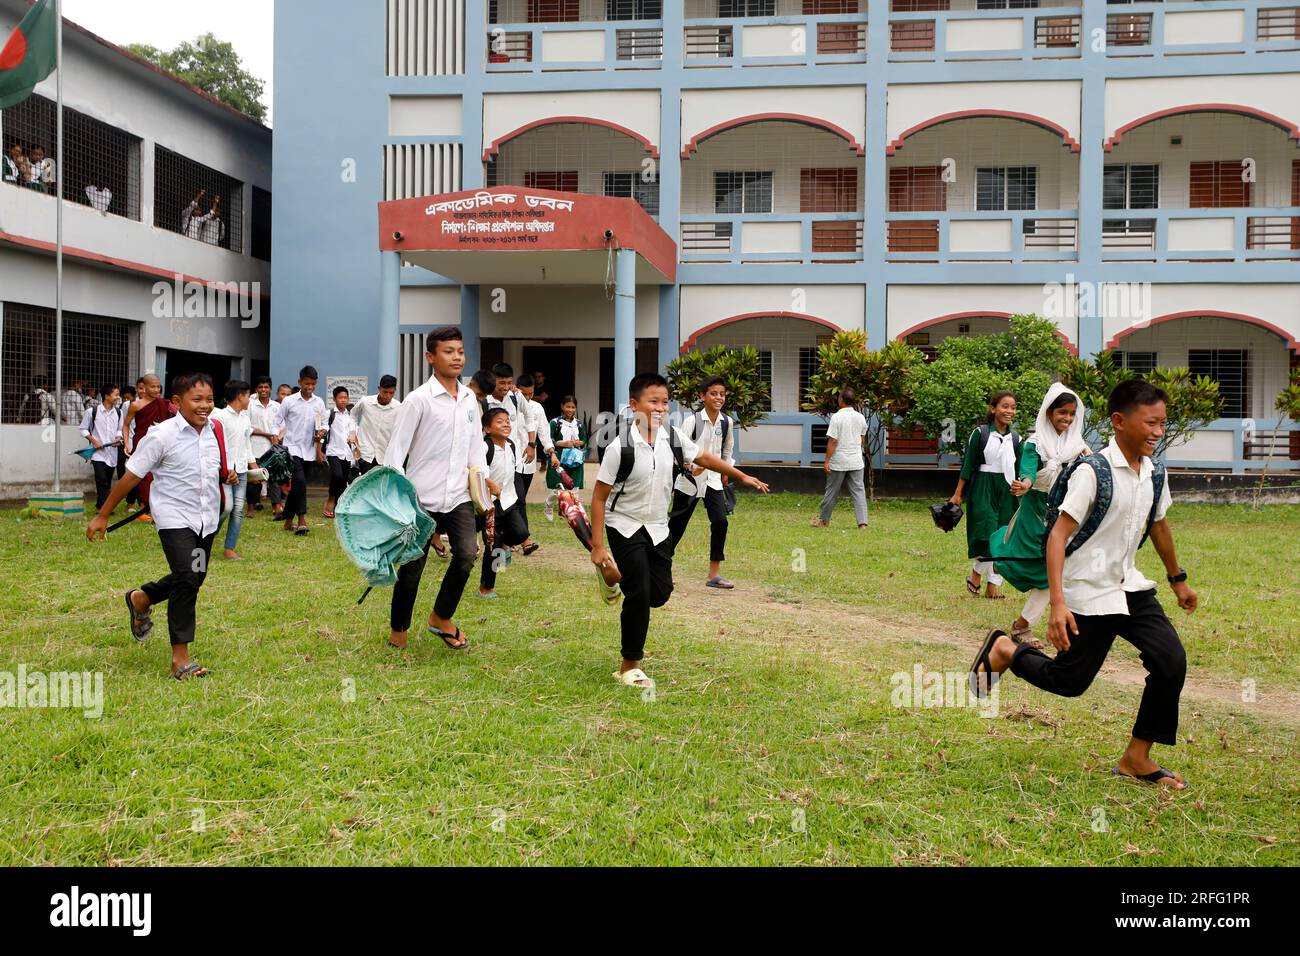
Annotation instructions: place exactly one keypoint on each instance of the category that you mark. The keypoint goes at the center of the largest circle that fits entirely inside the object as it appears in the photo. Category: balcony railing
(581, 45)
(998, 236)
(1181, 29)
(772, 237)
(776, 41)
(1214, 235)
(1014, 34)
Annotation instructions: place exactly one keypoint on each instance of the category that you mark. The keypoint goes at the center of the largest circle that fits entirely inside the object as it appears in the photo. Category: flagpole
(58, 252)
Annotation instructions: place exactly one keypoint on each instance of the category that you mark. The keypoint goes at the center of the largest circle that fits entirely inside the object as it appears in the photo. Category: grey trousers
(857, 491)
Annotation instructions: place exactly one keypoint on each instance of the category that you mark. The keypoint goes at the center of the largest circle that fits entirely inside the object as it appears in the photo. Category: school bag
(627, 458)
(1105, 492)
(978, 457)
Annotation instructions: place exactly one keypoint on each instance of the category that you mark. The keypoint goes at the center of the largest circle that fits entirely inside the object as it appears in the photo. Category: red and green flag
(29, 56)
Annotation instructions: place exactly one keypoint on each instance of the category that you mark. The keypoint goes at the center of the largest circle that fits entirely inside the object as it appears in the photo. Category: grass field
(771, 738)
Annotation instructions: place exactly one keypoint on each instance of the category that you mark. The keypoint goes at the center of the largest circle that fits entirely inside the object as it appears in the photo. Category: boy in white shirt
(543, 444)
(510, 529)
(375, 415)
(508, 397)
(238, 429)
(637, 512)
(1113, 501)
(844, 461)
(101, 426)
(263, 414)
(302, 422)
(713, 431)
(186, 457)
(340, 448)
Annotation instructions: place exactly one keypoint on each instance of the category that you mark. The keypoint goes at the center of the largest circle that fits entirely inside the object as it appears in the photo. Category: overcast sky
(165, 23)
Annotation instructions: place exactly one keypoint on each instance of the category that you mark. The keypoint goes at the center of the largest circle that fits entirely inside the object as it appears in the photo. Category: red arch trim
(1046, 124)
(1286, 337)
(977, 314)
(495, 146)
(693, 143)
(780, 314)
(1290, 128)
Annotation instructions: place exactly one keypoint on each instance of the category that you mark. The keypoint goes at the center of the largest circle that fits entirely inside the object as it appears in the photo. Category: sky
(248, 24)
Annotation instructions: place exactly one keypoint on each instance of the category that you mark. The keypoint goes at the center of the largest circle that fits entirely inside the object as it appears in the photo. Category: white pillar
(624, 323)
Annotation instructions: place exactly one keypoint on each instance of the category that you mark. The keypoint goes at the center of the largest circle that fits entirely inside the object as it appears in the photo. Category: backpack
(1105, 491)
(627, 457)
(726, 425)
(492, 448)
(223, 471)
(984, 440)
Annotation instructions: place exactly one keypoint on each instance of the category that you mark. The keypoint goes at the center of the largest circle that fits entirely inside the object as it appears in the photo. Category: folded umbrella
(381, 526)
(570, 506)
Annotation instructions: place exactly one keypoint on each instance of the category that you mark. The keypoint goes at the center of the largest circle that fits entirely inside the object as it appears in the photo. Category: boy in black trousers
(1113, 500)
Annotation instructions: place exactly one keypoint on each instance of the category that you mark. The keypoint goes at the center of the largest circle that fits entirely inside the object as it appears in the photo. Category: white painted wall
(979, 235)
(424, 116)
(576, 312)
(844, 106)
(907, 306)
(573, 46)
(1275, 303)
(1205, 26)
(964, 35)
(637, 110)
(1131, 99)
(913, 103)
(1194, 235)
(702, 305)
(430, 305)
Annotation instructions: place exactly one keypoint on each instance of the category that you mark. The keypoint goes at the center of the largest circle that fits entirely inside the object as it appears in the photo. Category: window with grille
(1138, 362)
(1130, 186)
(742, 192)
(1218, 184)
(565, 181)
(810, 364)
(746, 8)
(1230, 368)
(1007, 5)
(634, 9)
(1006, 187)
(261, 225)
(631, 186)
(765, 374)
(96, 352)
(197, 201)
(100, 165)
(552, 11)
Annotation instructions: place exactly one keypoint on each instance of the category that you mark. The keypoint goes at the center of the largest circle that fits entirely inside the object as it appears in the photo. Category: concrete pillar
(469, 328)
(624, 323)
(390, 301)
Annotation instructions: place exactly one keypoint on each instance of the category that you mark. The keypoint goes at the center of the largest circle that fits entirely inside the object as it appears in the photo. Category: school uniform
(436, 439)
(636, 519)
(988, 471)
(690, 490)
(263, 418)
(374, 429)
(238, 429)
(847, 466)
(105, 426)
(338, 451)
(185, 500)
(571, 458)
(509, 524)
(1109, 597)
(300, 419)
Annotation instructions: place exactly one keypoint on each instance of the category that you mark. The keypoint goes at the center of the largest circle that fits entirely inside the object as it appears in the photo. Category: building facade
(146, 287)
(912, 168)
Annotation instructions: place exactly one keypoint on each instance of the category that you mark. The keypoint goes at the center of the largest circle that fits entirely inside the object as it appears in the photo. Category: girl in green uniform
(570, 437)
(1056, 442)
(987, 470)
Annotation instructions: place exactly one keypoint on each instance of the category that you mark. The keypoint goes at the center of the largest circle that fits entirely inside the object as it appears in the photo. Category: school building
(592, 187)
(141, 291)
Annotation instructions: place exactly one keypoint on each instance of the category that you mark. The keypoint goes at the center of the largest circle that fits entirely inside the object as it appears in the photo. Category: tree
(1288, 407)
(879, 380)
(214, 67)
(950, 395)
(749, 396)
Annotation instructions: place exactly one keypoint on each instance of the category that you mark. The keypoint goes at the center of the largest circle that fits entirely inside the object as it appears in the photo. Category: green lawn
(771, 738)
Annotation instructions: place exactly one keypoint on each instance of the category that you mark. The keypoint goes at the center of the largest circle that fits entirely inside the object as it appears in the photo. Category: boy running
(302, 421)
(712, 430)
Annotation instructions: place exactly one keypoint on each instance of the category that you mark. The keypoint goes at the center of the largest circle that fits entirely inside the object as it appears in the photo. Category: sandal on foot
(448, 638)
(636, 677)
(1155, 776)
(529, 548)
(719, 582)
(141, 621)
(983, 681)
(972, 587)
(396, 647)
(192, 669)
(994, 597)
(1023, 635)
(301, 530)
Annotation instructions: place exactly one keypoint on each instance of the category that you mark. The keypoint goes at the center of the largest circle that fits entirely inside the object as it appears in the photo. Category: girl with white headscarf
(1056, 443)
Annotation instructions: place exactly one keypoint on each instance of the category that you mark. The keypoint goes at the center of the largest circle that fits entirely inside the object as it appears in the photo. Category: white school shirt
(436, 438)
(847, 427)
(336, 442)
(502, 471)
(43, 172)
(214, 230)
(186, 466)
(107, 428)
(647, 493)
(301, 418)
(238, 428)
(517, 407)
(537, 422)
(709, 437)
(263, 418)
(375, 426)
(1097, 577)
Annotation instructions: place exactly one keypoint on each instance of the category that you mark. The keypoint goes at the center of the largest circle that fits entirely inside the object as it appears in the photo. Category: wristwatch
(1178, 578)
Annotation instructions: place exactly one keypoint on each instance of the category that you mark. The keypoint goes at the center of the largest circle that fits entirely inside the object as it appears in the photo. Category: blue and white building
(913, 168)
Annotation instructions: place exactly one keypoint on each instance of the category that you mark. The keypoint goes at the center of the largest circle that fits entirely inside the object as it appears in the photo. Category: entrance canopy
(515, 235)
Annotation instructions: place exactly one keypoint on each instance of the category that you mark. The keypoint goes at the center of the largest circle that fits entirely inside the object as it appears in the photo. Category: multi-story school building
(589, 187)
(144, 289)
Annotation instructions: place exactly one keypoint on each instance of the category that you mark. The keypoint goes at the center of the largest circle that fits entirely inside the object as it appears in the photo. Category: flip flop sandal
(981, 682)
(1155, 776)
(719, 582)
(530, 549)
(994, 597)
(1023, 635)
(327, 514)
(141, 622)
(301, 530)
(192, 669)
(491, 595)
(448, 638)
(636, 677)
(972, 587)
(396, 647)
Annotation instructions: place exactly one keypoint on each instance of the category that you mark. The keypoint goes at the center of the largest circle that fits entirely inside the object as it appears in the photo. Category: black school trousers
(187, 558)
(104, 474)
(296, 503)
(458, 525)
(715, 506)
(524, 481)
(340, 472)
(1146, 627)
(647, 570)
(509, 529)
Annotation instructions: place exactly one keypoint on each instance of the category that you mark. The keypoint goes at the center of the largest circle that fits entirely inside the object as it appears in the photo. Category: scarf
(1056, 450)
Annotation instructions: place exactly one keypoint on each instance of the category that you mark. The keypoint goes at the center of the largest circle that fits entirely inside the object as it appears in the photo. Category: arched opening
(787, 346)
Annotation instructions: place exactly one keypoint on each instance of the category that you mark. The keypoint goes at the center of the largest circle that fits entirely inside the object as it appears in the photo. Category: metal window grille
(96, 352)
(742, 192)
(746, 8)
(631, 186)
(765, 375)
(421, 169)
(1231, 369)
(100, 164)
(261, 224)
(1139, 362)
(1009, 187)
(185, 200)
(425, 37)
(412, 370)
(634, 9)
(810, 364)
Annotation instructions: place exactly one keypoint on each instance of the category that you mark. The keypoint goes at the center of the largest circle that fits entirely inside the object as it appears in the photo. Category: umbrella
(570, 505)
(381, 526)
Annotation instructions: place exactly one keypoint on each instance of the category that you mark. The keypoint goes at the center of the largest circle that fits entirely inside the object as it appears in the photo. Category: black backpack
(984, 440)
(627, 457)
(492, 448)
(1105, 492)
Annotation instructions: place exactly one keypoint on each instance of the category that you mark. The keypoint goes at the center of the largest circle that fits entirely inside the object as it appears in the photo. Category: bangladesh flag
(29, 56)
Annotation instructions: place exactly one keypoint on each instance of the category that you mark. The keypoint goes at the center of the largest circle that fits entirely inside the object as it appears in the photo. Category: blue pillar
(670, 174)
(390, 300)
(1092, 158)
(624, 322)
(469, 328)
